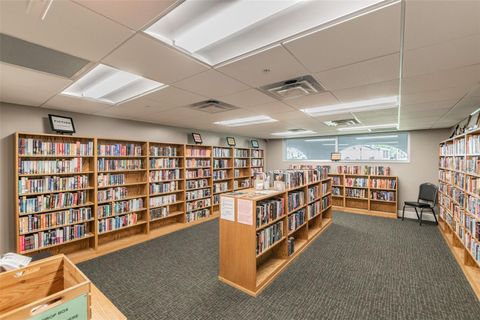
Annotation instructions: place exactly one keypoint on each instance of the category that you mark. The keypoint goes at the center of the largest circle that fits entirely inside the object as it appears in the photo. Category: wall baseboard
(410, 214)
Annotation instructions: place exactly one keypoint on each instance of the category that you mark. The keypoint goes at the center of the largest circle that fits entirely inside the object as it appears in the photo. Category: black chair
(427, 199)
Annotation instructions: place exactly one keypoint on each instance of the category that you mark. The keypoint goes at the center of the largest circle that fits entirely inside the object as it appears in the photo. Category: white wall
(423, 165)
(16, 118)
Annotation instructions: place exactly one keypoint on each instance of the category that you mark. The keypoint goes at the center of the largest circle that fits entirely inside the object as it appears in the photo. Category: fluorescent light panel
(292, 133)
(246, 121)
(109, 85)
(356, 106)
(357, 128)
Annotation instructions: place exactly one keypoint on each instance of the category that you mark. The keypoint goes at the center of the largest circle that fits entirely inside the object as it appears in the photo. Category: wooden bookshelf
(198, 181)
(222, 168)
(251, 270)
(365, 194)
(459, 202)
(241, 169)
(55, 193)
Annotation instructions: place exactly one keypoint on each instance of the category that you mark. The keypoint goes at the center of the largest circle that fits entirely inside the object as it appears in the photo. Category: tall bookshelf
(198, 179)
(370, 194)
(122, 189)
(241, 169)
(54, 193)
(459, 201)
(222, 168)
(166, 179)
(280, 227)
(257, 161)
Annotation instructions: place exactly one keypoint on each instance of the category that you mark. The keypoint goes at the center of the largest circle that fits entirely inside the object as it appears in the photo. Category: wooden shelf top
(253, 194)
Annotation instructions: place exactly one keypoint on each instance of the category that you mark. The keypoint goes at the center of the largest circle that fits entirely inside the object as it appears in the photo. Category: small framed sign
(335, 156)
(197, 138)
(255, 144)
(61, 124)
(231, 141)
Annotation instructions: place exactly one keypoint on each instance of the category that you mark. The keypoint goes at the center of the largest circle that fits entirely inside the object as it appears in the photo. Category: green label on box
(75, 309)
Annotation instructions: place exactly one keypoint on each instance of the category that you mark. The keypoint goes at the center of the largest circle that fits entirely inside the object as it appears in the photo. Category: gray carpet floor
(360, 268)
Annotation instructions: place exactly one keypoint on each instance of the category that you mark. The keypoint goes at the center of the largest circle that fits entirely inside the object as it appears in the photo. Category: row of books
(473, 226)
(337, 181)
(314, 172)
(269, 236)
(366, 170)
(220, 187)
(472, 165)
(256, 153)
(326, 202)
(194, 184)
(160, 212)
(221, 163)
(47, 238)
(313, 193)
(325, 186)
(111, 194)
(216, 199)
(165, 175)
(240, 163)
(120, 207)
(198, 194)
(199, 204)
(163, 187)
(458, 164)
(337, 191)
(445, 176)
(314, 209)
(119, 164)
(459, 146)
(383, 183)
(269, 210)
(156, 151)
(256, 163)
(237, 173)
(50, 166)
(164, 163)
(255, 171)
(459, 179)
(295, 200)
(356, 182)
(198, 152)
(241, 184)
(472, 185)
(473, 144)
(356, 193)
(51, 201)
(37, 147)
(220, 174)
(197, 163)
(196, 215)
(473, 205)
(349, 169)
(296, 220)
(447, 149)
(198, 173)
(34, 222)
(446, 162)
(117, 222)
(163, 200)
(52, 184)
(110, 179)
(241, 153)
(221, 152)
(383, 195)
(119, 149)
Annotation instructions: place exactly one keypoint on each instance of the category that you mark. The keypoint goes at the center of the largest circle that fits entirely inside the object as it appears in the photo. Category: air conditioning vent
(342, 122)
(212, 106)
(293, 88)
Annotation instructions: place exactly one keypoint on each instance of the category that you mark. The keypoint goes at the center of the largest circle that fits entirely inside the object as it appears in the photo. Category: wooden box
(52, 288)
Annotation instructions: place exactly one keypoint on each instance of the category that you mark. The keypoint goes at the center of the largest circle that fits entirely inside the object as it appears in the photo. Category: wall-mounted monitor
(61, 124)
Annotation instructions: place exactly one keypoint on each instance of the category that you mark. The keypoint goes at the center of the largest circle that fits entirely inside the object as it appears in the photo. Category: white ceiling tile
(331, 117)
(361, 73)
(371, 35)
(25, 86)
(446, 55)
(72, 104)
(133, 14)
(272, 108)
(212, 84)
(314, 100)
(247, 98)
(281, 65)
(385, 116)
(291, 116)
(68, 27)
(430, 22)
(371, 91)
(428, 107)
(152, 59)
(433, 96)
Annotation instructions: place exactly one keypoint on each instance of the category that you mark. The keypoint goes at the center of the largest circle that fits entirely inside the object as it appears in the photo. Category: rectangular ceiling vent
(212, 106)
(342, 122)
(293, 88)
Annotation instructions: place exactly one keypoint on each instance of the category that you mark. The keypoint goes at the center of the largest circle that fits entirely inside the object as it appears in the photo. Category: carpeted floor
(360, 268)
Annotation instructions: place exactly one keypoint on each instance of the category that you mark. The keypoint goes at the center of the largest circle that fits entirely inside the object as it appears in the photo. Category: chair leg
(403, 212)
(418, 217)
(421, 216)
(433, 211)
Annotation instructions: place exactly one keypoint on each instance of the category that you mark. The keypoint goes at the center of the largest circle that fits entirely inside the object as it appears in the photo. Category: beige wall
(423, 165)
(15, 118)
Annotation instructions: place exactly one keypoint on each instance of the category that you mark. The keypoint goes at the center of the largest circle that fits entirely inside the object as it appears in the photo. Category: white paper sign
(244, 211)
(227, 208)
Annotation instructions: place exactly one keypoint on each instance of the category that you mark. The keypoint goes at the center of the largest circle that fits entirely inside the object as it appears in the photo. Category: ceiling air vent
(342, 122)
(212, 106)
(293, 88)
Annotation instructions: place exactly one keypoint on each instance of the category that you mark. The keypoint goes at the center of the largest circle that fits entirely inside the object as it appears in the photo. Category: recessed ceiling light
(356, 106)
(109, 85)
(377, 137)
(246, 121)
(292, 133)
(388, 125)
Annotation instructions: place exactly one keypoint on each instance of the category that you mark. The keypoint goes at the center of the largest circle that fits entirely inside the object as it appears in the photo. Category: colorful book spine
(164, 187)
(295, 200)
(120, 150)
(117, 222)
(269, 236)
(164, 163)
(47, 202)
(269, 210)
(28, 185)
(163, 200)
(48, 238)
(39, 147)
(156, 151)
(196, 215)
(119, 164)
(198, 194)
(198, 152)
(35, 222)
(296, 220)
(165, 175)
(50, 166)
(194, 184)
(221, 153)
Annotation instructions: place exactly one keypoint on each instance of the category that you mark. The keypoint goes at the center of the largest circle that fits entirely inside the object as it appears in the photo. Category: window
(366, 147)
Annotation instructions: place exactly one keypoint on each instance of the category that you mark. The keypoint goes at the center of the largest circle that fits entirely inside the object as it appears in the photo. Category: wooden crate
(49, 286)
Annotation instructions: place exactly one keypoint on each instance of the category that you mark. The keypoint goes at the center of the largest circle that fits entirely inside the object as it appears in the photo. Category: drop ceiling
(427, 52)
